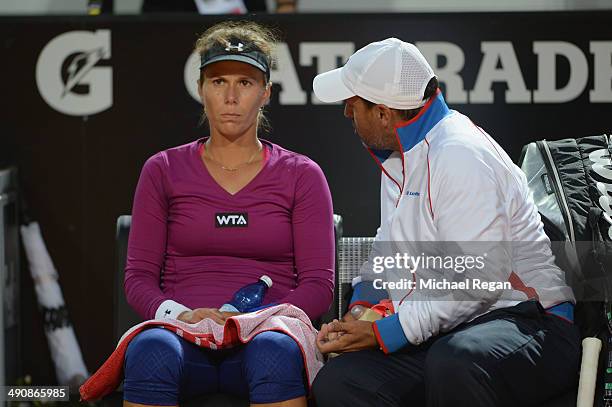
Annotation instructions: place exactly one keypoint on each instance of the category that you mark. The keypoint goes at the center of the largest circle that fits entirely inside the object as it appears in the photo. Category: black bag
(571, 182)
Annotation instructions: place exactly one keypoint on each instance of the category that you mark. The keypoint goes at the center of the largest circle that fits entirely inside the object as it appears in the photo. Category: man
(446, 183)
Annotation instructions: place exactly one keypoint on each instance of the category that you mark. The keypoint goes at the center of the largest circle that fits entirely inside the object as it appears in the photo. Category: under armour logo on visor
(234, 48)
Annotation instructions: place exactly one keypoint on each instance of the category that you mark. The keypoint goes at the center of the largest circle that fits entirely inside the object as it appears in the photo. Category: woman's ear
(267, 94)
(200, 89)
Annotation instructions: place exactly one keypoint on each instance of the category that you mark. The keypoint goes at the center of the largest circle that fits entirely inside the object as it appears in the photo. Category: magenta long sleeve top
(189, 242)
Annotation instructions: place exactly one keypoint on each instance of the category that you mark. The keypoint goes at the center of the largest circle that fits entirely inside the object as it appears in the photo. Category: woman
(180, 224)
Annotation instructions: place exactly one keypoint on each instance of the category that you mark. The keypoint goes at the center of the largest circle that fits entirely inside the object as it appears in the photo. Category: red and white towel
(237, 330)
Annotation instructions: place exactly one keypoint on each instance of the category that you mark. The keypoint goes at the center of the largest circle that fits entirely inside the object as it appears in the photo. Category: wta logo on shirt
(231, 220)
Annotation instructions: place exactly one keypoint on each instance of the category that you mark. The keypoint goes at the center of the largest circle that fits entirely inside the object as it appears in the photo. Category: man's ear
(385, 115)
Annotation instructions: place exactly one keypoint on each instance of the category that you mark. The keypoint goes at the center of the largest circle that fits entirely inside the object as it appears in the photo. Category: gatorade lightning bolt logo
(70, 75)
(80, 67)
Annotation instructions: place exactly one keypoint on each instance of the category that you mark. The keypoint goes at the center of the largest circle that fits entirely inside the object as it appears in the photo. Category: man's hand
(354, 313)
(198, 314)
(346, 336)
(328, 336)
(348, 317)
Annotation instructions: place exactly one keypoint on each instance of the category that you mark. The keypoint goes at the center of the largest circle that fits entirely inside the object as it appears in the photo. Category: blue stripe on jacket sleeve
(391, 333)
(364, 291)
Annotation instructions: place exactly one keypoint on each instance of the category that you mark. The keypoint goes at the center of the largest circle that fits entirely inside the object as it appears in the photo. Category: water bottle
(248, 297)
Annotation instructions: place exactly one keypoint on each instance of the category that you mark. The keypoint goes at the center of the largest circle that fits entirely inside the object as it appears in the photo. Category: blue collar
(412, 132)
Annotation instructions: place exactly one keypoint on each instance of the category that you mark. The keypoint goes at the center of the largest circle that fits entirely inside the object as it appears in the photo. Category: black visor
(237, 50)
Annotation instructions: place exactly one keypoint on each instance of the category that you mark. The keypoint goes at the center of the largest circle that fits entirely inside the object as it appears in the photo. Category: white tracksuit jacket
(453, 183)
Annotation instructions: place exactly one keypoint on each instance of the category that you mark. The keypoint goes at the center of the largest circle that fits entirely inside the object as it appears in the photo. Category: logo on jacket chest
(232, 220)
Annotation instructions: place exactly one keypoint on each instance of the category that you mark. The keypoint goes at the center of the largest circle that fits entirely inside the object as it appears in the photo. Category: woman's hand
(198, 314)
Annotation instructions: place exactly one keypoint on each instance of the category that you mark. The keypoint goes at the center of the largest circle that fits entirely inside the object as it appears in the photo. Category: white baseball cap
(389, 72)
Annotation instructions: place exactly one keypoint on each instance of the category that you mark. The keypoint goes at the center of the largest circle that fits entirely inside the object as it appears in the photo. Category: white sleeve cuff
(170, 309)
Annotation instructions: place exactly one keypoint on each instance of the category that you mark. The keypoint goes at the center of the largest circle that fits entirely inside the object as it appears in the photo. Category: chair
(126, 317)
(352, 253)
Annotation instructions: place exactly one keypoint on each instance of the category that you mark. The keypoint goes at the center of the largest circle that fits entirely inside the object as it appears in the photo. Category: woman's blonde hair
(249, 32)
